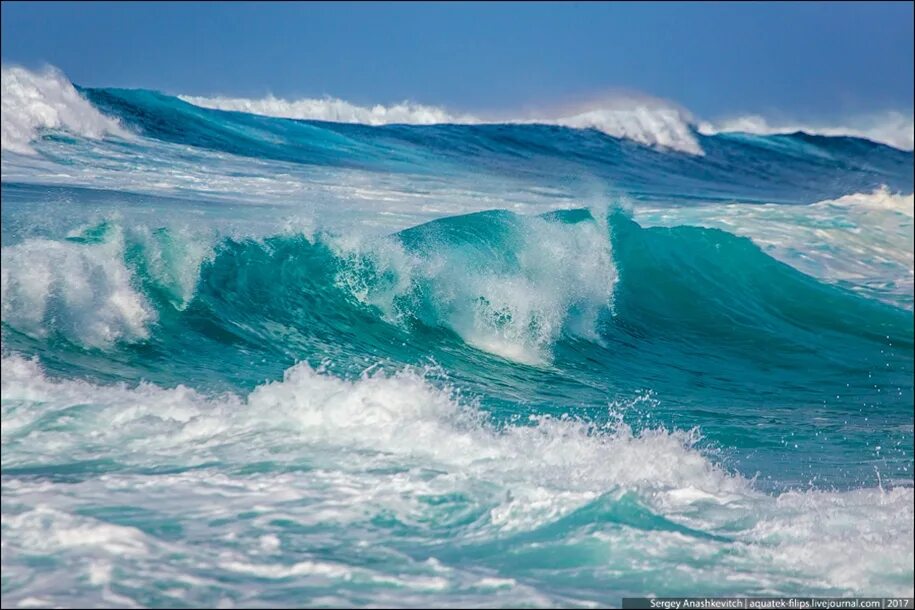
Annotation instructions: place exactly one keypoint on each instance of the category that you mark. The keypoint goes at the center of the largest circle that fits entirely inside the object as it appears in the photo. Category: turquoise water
(260, 361)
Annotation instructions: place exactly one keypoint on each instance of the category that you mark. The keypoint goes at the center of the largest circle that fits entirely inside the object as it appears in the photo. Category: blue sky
(800, 60)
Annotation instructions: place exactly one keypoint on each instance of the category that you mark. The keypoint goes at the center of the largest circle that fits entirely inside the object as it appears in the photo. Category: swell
(794, 168)
(643, 149)
(533, 282)
(863, 241)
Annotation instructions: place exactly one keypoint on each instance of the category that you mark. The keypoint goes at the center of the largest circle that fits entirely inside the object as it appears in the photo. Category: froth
(84, 291)
(332, 109)
(45, 99)
(89, 287)
(399, 417)
(646, 121)
(555, 278)
(400, 414)
(649, 122)
(387, 448)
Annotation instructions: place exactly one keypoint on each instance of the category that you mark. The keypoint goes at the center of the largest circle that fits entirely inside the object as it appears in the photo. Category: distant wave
(46, 99)
(333, 109)
(892, 128)
(643, 120)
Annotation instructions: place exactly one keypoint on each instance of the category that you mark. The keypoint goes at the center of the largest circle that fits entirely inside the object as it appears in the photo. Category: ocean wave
(416, 172)
(400, 415)
(99, 285)
(83, 291)
(418, 459)
(644, 120)
(862, 240)
(891, 128)
(37, 100)
(45, 99)
(334, 110)
(507, 284)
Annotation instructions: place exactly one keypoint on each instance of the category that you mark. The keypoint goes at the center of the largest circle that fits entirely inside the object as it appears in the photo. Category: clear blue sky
(802, 60)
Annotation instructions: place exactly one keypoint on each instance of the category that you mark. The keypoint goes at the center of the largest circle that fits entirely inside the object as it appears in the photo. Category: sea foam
(551, 278)
(393, 448)
(45, 99)
(83, 291)
(644, 120)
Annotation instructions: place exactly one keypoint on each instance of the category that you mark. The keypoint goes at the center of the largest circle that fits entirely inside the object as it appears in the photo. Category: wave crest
(891, 128)
(98, 286)
(46, 99)
(506, 284)
(83, 291)
(646, 121)
(332, 109)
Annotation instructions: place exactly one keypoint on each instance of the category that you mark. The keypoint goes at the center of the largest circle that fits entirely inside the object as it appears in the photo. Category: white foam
(173, 259)
(83, 287)
(50, 530)
(644, 120)
(332, 109)
(45, 99)
(542, 471)
(560, 281)
(892, 128)
(881, 199)
(82, 290)
(381, 445)
(301, 568)
(33, 602)
(562, 462)
(856, 541)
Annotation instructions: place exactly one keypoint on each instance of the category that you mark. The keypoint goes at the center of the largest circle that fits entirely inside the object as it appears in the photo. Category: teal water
(258, 361)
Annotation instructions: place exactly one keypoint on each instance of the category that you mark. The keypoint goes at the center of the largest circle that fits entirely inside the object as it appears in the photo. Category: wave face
(256, 360)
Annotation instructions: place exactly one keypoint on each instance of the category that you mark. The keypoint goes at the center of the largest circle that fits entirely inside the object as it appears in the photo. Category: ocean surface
(401, 358)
